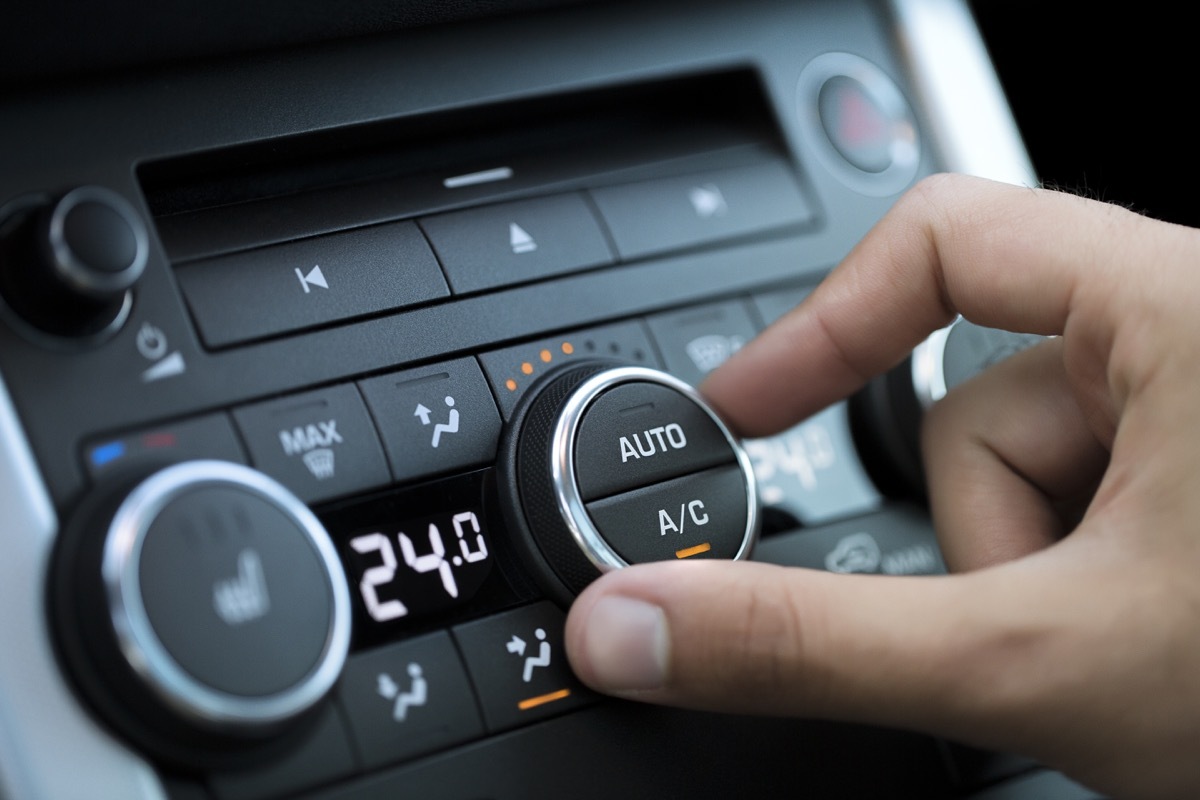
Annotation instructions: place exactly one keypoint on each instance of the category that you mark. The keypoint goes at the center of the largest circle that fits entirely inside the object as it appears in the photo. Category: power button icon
(151, 342)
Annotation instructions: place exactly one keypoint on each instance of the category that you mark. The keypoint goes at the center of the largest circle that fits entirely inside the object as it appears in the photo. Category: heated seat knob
(886, 414)
(70, 261)
(607, 466)
(204, 611)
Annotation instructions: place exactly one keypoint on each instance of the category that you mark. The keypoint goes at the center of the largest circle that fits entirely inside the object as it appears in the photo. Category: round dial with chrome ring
(609, 466)
(205, 613)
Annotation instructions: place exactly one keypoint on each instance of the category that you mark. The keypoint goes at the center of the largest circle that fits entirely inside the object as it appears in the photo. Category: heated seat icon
(243, 598)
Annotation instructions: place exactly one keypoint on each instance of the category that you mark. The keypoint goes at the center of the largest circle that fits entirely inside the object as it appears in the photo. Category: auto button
(639, 433)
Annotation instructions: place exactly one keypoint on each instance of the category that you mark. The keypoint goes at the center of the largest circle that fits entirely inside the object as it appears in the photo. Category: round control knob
(887, 412)
(70, 262)
(608, 466)
(204, 612)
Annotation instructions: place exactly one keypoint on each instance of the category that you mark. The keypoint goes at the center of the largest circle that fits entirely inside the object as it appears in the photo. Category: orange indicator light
(543, 699)
(688, 552)
(568, 348)
(527, 368)
(545, 356)
(511, 385)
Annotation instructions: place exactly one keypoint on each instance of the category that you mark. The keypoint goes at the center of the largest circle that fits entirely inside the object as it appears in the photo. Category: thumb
(931, 653)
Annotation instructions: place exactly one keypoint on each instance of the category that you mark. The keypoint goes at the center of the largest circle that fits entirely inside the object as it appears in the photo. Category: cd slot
(264, 193)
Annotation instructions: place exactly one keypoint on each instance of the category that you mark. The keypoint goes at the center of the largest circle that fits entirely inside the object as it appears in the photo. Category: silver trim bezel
(568, 497)
(929, 367)
(141, 646)
(906, 160)
(958, 92)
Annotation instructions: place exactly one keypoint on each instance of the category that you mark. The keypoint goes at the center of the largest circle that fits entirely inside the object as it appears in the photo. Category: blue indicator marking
(107, 453)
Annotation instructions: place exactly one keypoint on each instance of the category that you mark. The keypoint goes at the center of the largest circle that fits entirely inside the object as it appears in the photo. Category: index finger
(1000, 255)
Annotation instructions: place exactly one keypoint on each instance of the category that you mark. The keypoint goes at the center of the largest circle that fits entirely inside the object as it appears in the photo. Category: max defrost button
(696, 516)
(319, 444)
(636, 434)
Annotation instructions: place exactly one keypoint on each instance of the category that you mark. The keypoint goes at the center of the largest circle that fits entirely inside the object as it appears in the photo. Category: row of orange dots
(546, 356)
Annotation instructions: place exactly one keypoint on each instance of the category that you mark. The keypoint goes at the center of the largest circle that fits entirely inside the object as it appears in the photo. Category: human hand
(1075, 641)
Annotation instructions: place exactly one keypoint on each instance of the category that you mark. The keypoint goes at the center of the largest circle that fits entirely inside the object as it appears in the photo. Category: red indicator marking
(153, 441)
(861, 121)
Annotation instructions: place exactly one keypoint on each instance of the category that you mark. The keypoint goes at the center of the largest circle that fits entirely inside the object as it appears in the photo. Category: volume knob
(70, 262)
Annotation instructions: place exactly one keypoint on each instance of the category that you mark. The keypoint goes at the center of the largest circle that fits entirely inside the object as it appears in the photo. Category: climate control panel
(324, 390)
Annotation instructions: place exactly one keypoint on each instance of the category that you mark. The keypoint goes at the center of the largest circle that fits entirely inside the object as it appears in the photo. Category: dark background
(1105, 96)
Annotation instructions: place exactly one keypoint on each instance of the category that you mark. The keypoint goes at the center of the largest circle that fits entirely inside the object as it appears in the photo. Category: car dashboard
(332, 281)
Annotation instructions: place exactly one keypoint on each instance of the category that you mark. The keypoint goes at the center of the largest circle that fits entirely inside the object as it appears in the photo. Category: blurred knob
(69, 262)
(886, 414)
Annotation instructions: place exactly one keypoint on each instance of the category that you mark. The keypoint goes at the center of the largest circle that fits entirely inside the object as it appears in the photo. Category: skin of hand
(1063, 486)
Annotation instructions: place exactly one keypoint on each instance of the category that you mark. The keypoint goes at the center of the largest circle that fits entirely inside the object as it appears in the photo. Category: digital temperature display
(419, 566)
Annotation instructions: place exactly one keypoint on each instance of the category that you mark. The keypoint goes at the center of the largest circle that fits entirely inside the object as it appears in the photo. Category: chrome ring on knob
(565, 481)
(145, 651)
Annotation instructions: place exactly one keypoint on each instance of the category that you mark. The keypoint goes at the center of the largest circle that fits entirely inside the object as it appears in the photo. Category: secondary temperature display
(422, 566)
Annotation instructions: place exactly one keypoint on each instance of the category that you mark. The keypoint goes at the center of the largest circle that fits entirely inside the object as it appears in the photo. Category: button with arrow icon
(517, 242)
(449, 426)
(517, 664)
(662, 214)
(408, 698)
(288, 287)
(314, 277)
(435, 419)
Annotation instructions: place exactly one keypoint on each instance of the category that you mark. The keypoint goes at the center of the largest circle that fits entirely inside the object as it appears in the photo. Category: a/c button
(697, 516)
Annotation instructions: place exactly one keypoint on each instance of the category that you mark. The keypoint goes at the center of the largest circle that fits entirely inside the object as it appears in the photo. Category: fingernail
(626, 644)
